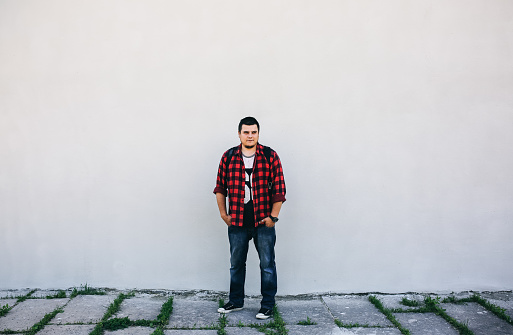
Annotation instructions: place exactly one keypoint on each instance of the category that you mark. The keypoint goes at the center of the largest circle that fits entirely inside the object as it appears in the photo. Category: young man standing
(252, 177)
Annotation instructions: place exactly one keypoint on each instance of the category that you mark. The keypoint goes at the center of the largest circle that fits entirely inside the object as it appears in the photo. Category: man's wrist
(273, 218)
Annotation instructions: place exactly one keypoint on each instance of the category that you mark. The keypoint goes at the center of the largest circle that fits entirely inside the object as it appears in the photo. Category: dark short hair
(248, 121)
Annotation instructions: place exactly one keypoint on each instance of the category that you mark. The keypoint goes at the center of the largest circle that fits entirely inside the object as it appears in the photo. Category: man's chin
(249, 146)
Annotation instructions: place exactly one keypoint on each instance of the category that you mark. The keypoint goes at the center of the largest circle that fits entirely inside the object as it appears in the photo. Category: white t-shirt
(248, 164)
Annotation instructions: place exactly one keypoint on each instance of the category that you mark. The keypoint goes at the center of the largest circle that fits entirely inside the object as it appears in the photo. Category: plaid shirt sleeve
(278, 181)
(221, 186)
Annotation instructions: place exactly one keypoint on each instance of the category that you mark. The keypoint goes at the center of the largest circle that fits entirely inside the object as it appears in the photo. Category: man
(252, 177)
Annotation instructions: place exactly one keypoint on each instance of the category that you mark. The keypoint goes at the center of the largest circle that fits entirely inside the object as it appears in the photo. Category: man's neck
(248, 151)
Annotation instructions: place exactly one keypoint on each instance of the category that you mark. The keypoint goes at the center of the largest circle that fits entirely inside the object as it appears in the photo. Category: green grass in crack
(222, 322)
(158, 331)
(5, 309)
(120, 323)
(116, 304)
(111, 310)
(165, 312)
(410, 303)
(434, 306)
(275, 327)
(26, 296)
(86, 290)
(340, 324)
(163, 317)
(44, 321)
(388, 314)
(498, 311)
(59, 295)
(306, 322)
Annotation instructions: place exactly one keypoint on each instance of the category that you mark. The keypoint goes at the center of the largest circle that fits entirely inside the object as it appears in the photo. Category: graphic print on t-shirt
(248, 164)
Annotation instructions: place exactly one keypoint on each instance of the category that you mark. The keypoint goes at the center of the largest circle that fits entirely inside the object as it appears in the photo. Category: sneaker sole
(224, 311)
(262, 316)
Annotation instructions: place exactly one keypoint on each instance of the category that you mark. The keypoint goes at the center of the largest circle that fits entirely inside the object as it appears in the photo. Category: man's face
(248, 135)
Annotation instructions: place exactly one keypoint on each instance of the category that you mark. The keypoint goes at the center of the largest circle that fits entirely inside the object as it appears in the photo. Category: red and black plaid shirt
(231, 183)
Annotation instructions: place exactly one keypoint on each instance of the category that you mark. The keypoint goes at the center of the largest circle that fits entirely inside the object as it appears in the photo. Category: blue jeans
(264, 239)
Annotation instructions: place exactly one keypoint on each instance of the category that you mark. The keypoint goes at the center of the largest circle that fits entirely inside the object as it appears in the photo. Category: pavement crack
(327, 307)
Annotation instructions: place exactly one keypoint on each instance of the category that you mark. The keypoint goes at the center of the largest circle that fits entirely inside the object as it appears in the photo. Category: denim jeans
(264, 239)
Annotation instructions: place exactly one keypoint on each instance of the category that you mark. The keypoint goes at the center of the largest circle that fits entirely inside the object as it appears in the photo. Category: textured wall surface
(393, 120)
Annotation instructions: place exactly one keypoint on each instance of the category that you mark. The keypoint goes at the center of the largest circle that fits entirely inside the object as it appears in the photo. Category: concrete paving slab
(501, 299)
(480, 320)
(394, 301)
(425, 323)
(29, 312)
(314, 329)
(193, 313)
(507, 305)
(144, 307)
(132, 331)
(66, 330)
(84, 309)
(40, 294)
(247, 315)
(293, 311)
(503, 295)
(369, 331)
(190, 332)
(14, 293)
(457, 295)
(351, 309)
(242, 331)
(8, 302)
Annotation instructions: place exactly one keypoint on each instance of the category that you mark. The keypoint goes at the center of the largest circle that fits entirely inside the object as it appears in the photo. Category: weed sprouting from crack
(86, 290)
(275, 327)
(163, 317)
(111, 310)
(5, 309)
(388, 314)
(116, 304)
(44, 321)
(307, 322)
(434, 306)
(340, 324)
(120, 323)
(410, 303)
(498, 311)
(222, 322)
(25, 297)
(59, 295)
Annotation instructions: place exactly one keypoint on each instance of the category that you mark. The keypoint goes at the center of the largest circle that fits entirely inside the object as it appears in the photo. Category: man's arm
(275, 211)
(221, 203)
(278, 190)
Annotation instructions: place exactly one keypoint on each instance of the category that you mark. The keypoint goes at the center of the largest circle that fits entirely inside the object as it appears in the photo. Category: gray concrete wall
(393, 119)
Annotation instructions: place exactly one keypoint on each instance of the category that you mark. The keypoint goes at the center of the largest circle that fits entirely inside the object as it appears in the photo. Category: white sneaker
(228, 307)
(264, 313)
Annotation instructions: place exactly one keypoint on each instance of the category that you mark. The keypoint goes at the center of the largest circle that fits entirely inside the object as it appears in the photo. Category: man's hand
(227, 219)
(268, 222)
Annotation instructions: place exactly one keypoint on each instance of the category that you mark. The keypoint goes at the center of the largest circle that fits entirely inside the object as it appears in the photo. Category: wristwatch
(275, 219)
